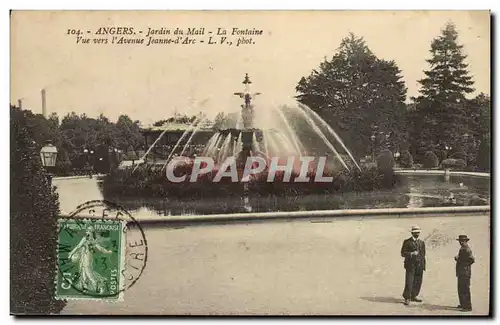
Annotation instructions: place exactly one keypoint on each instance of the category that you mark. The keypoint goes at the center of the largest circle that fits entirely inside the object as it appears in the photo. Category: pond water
(411, 192)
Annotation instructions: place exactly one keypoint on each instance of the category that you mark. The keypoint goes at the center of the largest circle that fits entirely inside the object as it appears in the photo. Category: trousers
(413, 283)
(464, 292)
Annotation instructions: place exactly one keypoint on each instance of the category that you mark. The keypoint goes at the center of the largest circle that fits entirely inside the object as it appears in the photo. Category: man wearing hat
(413, 251)
(464, 260)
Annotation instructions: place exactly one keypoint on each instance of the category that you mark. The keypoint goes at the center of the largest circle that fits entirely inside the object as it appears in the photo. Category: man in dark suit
(464, 260)
(413, 251)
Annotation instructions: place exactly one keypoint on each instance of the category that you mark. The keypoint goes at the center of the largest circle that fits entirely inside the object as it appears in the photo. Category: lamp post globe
(48, 155)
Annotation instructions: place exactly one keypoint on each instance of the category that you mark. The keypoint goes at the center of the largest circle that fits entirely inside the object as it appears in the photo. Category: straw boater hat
(415, 229)
(463, 237)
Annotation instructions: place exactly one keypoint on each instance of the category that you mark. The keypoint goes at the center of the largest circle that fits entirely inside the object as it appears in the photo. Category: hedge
(458, 164)
(147, 181)
(430, 160)
(385, 161)
(34, 209)
(406, 159)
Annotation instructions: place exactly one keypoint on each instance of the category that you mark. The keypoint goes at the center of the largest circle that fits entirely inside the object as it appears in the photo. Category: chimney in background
(44, 104)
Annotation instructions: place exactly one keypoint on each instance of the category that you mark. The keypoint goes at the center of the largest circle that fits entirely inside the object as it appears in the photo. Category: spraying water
(279, 137)
(325, 140)
(150, 148)
(296, 142)
(208, 151)
(192, 135)
(223, 151)
(190, 128)
(330, 130)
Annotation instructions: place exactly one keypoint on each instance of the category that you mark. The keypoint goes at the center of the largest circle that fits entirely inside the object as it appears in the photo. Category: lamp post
(48, 155)
(447, 149)
(88, 165)
(373, 146)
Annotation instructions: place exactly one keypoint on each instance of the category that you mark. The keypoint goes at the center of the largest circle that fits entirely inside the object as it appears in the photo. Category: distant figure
(452, 199)
(464, 260)
(413, 250)
(83, 255)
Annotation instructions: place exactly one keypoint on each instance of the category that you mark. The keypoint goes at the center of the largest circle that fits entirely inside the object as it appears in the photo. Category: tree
(178, 118)
(63, 164)
(480, 111)
(483, 158)
(225, 121)
(128, 134)
(34, 210)
(358, 95)
(131, 154)
(440, 118)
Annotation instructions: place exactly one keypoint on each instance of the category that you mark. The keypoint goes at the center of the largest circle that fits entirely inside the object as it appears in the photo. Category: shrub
(406, 159)
(451, 163)
(63, 164)
(33, 226)
(483, 157)
(430, 160)
(385, 161)
(146, 181)
(459, 155)
(131, 154)
(441, 154)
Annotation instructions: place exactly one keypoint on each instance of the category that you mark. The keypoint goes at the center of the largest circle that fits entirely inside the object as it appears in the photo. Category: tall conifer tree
(441, 106)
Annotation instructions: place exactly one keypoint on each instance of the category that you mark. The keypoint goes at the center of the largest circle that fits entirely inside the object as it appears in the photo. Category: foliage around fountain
(146, 181)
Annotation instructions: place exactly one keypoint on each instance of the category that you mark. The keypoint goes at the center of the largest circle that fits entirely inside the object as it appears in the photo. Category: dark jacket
(464, 261)
(416, 262)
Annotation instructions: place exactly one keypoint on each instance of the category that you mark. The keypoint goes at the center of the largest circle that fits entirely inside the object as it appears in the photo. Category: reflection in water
(415, 199)
(412, 192)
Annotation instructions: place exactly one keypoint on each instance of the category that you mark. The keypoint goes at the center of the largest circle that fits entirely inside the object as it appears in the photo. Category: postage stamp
(90, 259)
(102, 251)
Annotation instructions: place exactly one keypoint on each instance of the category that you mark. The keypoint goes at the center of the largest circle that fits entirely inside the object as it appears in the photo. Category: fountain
(322, 178)
(280, 133)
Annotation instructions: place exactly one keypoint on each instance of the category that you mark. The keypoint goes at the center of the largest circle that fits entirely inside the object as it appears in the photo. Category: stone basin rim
(313, 214)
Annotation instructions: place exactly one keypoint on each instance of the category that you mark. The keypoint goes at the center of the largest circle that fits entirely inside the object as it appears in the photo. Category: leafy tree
(131, 154)
(41, 128)
(359, 95)
(79, 132)
(177, 118)
(128, 134)
(225, 121)
(479, 110)
(63, 164)
(483, 158)
(34, 210)
(440, 118)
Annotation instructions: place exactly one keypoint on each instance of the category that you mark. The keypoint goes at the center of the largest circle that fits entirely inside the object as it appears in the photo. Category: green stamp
(90, 259)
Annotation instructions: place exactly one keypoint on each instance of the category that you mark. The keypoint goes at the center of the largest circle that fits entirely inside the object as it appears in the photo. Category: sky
(150, 83)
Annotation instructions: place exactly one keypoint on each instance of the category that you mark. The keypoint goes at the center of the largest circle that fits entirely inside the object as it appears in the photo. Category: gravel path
(343, 267)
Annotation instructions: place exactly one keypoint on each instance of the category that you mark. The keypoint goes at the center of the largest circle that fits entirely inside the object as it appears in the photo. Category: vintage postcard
(250, 163)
